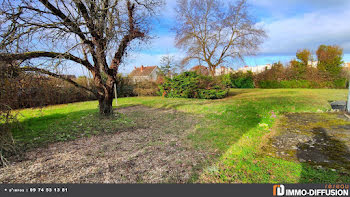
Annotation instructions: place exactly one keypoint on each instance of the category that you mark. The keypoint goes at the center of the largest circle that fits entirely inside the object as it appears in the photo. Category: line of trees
(324, 70)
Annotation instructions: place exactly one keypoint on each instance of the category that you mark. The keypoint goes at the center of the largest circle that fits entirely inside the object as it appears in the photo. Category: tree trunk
(105, 105)
(105, 94)
(212, 71)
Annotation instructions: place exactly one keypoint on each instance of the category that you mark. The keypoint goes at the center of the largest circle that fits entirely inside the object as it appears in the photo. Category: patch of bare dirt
(155, 151)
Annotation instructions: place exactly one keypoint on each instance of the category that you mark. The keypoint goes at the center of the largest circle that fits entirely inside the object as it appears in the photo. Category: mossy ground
(316, 140)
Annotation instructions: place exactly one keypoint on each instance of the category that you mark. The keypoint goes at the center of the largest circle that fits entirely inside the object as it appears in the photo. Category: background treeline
(26, 89)
(324, 71)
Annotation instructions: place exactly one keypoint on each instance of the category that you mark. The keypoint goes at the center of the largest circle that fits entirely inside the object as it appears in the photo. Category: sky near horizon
(290, 25)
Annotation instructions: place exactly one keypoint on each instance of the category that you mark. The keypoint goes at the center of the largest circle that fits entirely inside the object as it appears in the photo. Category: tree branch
(90, 24)
(67, 22)
(36, 54)
(43, 71)
(133, 33)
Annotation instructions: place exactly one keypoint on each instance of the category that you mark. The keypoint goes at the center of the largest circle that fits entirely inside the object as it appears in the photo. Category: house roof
(199, 67)
(142, 71)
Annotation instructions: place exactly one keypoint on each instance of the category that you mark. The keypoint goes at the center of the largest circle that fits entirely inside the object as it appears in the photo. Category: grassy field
(235, 128)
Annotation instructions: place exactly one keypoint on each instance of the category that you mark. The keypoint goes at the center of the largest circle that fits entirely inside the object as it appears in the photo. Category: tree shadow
(324, 158)
(234, 92)
(45, 128)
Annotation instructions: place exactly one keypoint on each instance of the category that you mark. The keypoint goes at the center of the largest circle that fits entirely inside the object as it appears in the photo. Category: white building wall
(223, 71)
(154, 74)
(255, 69)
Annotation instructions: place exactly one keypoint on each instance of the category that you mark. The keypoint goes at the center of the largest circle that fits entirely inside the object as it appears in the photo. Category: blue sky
(289, 24)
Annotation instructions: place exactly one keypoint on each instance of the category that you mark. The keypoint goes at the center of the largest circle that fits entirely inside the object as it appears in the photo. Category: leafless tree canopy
(92, 33)
(214, 31)
(169, 65)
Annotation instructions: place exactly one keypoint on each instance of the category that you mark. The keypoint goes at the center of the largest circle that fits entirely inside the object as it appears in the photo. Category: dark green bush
(340, 83)
(212, 94)
(243, 83)
(239, 80)
(269, 84)
(295, 84)
(226, 80)
(193, 85)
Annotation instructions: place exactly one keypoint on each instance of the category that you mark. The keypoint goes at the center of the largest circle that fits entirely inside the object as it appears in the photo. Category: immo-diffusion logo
(281, 190)
(278, 190)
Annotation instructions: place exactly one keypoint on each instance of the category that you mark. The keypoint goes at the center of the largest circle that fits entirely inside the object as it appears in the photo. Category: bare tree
(169, 65)
(94, 33)
(213, 31)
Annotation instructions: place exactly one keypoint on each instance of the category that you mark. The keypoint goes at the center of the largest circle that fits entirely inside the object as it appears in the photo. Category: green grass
(41, 126)
(234, 127)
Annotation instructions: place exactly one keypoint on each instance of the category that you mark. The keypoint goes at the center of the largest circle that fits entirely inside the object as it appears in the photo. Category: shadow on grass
(326, 159)
(235, 92)
(40, 131)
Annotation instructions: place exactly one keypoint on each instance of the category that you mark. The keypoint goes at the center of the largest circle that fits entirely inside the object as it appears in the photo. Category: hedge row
(340, 83)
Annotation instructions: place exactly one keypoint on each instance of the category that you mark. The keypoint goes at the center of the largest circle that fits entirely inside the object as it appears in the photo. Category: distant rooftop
(142, 71)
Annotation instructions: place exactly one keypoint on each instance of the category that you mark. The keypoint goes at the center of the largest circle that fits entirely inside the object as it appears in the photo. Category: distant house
(222, 70)
(255, 69)
(200, 70)
(144, 73)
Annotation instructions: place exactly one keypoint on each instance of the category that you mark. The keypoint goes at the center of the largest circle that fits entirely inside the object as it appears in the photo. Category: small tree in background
(304, 56)
(170, 66)
(167, 65)
(330, 60)
(300, 65)
(276, 72)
